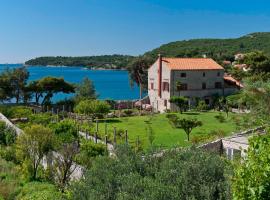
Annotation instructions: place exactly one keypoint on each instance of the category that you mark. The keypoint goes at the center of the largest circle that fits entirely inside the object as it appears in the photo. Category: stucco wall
(155, 100)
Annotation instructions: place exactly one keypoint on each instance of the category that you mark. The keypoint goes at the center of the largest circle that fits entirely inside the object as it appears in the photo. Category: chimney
(159, 74)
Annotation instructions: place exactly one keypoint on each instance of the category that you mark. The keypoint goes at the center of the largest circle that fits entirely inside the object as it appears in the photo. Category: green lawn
(167, 136)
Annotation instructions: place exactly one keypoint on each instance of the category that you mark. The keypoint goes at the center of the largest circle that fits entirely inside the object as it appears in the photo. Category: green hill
(218, 49)
(104, 61)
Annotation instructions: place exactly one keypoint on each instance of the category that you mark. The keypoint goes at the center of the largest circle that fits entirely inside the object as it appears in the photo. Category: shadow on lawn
(192, 113)
(109, 121)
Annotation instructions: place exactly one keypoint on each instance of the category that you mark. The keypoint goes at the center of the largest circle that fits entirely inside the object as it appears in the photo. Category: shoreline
(83, 67)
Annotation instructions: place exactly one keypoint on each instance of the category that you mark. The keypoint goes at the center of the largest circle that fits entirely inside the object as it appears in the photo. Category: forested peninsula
(91, 62)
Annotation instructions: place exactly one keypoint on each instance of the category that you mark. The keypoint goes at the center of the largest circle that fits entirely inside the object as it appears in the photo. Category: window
(165, 86)
(203, 74)
(218, 85)
(229, 153)
(218, 74)
(165, 103)
(183, 75)
(203, 86)
(152, 86)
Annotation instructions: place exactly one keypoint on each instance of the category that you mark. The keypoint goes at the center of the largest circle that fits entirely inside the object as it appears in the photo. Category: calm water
(109, 84)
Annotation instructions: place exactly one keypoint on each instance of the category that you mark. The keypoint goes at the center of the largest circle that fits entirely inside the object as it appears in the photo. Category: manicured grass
(166, 135)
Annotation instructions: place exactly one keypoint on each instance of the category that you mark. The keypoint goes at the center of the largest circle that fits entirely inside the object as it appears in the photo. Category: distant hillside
(218, 49)
(104, 61)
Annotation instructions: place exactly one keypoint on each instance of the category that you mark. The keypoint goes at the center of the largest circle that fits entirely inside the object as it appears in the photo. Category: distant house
(233, 146)
(193, 78)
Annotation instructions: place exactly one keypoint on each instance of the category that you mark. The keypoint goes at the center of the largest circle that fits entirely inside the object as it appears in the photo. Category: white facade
(201, 84)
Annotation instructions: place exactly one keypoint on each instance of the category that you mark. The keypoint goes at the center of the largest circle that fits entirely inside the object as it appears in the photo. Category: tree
(47, 87)
(64, 163)
(67, 146)
(86, 90)
(187, 125)
(93, 107)
(6, 90)
(32, 146)
(18, 81)
(180, 102)
(257, 62)
(251, 179)
(138, 73)
(256, 94)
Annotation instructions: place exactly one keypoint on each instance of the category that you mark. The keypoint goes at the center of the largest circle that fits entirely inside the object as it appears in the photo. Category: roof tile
(192, 64)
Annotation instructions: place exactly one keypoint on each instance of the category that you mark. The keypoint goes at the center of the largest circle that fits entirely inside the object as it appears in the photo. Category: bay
(109, 84)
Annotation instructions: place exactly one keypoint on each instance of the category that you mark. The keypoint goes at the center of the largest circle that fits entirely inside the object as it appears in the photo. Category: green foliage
(7, 134)
(257, 62)
(256, 93)
(15, 111)
(93, 107)
(105, 61)
(9, 180)
(251, 180)
(138, 71)
(180, 102)
(88, 151)
(32, 146)
(48, 86)
(187, 125)
(39, 191)
(202, 106)
(218, 49)
(220, 118)
(66, 131)
(12, 84)
(85, 90)
(188, 174)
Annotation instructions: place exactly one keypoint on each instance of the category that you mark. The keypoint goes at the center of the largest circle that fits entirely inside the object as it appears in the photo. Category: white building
(190, 77)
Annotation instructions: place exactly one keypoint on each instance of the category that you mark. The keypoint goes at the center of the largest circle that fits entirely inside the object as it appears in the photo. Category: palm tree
(138, 73)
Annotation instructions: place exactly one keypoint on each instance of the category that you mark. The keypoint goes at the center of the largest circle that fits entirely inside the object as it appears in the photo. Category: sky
(33, 28)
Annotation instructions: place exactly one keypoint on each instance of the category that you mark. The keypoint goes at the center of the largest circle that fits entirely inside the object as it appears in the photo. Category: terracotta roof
(191, 64)
(231, 79)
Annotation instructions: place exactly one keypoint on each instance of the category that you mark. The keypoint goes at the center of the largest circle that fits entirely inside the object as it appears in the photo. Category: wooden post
(97, 125)
(106, 140)
(105, 128)
(126, 137)
(96, 137)
(138, 142)
(114, 135)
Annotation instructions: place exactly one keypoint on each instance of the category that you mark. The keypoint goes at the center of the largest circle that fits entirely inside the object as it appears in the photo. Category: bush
(172, 118)
(220, 118)
(93, 107)
(202, 106)
(128, 112)
(39, 191)
(88, 151)
(7, 134)
(186, 174)
(15, 111)
(66, 131)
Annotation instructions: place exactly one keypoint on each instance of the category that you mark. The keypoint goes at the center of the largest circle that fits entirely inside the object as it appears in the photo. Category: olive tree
(32, 146)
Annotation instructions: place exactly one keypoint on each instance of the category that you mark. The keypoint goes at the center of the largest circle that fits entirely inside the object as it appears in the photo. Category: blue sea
(109, 84)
